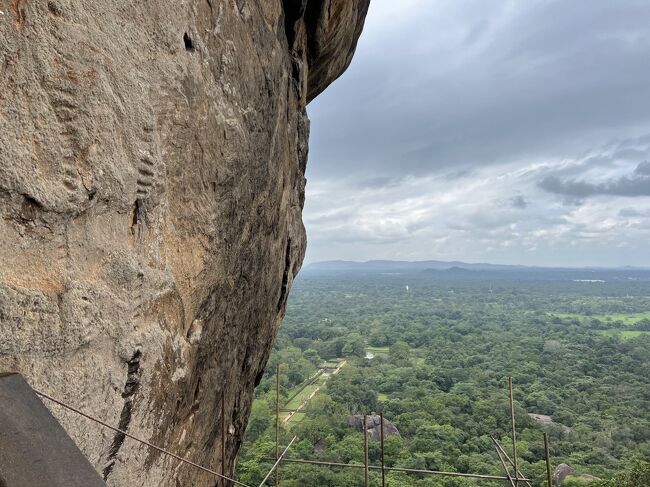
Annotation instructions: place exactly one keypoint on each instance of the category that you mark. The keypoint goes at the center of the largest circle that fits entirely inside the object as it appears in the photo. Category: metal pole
(514, 431)
(276, 465)
(518, 472)
(223, 436)
(381, 435)
(505, 467)
(547, 451)
(277, 423)
(365, 450)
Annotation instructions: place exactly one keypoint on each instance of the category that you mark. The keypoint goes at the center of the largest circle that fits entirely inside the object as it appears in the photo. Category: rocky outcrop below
(152, 159)
(562, 471)
(547, 420)
(373, 426)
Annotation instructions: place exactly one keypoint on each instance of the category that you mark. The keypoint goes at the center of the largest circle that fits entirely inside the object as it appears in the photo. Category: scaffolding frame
(366, 466)
(500, 451)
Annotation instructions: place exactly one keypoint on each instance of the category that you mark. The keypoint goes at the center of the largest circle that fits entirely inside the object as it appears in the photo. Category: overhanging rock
(35, 451)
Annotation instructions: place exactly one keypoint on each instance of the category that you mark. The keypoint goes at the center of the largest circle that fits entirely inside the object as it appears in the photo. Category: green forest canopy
(443, 352)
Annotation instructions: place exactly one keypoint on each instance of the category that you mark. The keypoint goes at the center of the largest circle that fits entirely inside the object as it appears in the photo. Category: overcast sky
(493, 131)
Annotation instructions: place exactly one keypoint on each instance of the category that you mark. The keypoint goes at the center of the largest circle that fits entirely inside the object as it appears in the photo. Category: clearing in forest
(309, 389)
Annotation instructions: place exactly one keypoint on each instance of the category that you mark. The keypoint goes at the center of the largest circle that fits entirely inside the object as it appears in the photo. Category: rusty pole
(505, 467)
(277, 423)
(503, 452)
(547, 451)
(277, 462)
(514, 431)
(381, 436)
(365, 450)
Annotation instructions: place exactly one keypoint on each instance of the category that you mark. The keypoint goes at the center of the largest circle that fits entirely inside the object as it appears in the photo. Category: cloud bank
(515, 132)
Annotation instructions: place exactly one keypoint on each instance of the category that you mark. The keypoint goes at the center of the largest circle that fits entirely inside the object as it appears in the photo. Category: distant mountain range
(440, 268)
(402, 265)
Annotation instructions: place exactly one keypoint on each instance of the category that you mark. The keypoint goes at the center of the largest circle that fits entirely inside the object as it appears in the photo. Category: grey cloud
(638, 184)
(455, 116)
(629, 212)
(581, 189)
(571, 201)
(643, 169)
(464, 173)
(341, 215)
(379, 182)
(518, 202)
(471, 83)
(643, 140)
(600, 159)
(630, 154)
(634, 213)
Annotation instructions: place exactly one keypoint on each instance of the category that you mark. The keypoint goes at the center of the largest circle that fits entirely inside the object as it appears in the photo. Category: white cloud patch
(496, 213)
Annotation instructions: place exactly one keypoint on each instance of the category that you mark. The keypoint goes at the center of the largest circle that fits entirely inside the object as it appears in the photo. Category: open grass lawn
(625, 334)
(297, 418)
(377, 350)
(302, 396)
(334, 363)
(294, 390)
(625, 318)
(318, 378)
(301, 392)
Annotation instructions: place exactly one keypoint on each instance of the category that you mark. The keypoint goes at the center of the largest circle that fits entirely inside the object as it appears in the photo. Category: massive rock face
(152, 159)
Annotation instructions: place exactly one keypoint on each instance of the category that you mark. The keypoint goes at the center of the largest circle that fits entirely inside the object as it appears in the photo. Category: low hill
(436, 269)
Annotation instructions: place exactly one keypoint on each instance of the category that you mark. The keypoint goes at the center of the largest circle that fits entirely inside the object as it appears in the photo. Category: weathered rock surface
(562, 471)
(544, 419)
(373, 426)
(152, 159)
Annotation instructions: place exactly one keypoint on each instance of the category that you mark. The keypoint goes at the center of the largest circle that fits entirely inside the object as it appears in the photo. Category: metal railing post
(547, 454)
(514, 431)
(381, 436)
(365, 450)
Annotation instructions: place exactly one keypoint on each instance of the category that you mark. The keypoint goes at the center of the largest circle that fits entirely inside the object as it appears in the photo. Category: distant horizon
(472, 262)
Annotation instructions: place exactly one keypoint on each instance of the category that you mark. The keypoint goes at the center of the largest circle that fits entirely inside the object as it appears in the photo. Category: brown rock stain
(49, 283)
(18, 8)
